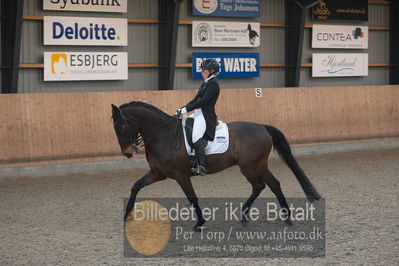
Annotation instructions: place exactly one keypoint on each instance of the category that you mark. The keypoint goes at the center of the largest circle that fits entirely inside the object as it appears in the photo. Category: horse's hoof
(197, 229)
(288, 222)
(244, 223)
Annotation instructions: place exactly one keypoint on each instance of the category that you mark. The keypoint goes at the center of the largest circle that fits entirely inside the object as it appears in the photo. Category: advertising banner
(65, 66)
(86, 5)
(353, 10)
(227, 8)
(338, 36)
(225, 34)
(340, 65)
(232, 65)
(84, 31)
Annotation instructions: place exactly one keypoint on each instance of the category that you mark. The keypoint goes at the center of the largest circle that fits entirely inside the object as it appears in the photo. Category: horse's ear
(115, 109)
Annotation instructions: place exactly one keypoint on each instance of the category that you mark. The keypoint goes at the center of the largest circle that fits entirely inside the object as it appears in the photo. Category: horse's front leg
(187, 186)
(149, 178)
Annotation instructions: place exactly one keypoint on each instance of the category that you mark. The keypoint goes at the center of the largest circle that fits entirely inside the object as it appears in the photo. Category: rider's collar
(211, 77)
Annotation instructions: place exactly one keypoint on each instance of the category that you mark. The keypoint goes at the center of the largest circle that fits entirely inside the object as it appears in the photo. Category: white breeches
(199, 127)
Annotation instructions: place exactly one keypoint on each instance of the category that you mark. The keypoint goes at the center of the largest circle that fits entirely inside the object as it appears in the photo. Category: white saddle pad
(219, 145)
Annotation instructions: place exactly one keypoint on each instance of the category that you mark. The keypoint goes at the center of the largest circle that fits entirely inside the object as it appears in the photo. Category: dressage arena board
(78, 219)
(45, 127)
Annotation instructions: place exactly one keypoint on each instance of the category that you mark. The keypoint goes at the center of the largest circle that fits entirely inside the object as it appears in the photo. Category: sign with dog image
(64, 66)
(225, 34)
(227, 8)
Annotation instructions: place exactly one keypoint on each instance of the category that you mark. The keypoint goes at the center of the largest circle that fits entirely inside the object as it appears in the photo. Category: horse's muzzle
(128, 155)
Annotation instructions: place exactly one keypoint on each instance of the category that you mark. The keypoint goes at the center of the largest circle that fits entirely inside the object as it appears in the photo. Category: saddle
(219, 145)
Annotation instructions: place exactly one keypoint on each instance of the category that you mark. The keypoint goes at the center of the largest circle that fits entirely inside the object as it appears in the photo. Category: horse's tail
(280, 143)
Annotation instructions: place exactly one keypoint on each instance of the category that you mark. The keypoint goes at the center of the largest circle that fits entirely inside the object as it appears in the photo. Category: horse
(162, 136)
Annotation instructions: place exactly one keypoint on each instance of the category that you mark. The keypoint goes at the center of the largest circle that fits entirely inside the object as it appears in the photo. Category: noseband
(135, 141)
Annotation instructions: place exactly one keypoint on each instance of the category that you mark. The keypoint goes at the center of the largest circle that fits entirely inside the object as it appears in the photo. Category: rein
(139, 140)
(152, 136)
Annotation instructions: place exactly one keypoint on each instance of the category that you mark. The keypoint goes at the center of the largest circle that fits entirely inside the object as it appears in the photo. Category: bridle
(139, 141)
(136, 141)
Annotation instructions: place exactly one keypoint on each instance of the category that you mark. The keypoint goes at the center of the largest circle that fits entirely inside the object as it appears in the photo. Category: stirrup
(201, 170)
(194, 170)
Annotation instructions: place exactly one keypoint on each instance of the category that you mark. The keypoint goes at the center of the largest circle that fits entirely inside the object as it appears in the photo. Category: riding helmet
(210, 64)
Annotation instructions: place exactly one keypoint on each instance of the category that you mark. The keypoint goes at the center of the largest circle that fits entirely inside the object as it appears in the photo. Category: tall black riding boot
(199, 147)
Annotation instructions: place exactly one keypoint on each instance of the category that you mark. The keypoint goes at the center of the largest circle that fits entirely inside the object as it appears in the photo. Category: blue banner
(232, 65)
(227, 8)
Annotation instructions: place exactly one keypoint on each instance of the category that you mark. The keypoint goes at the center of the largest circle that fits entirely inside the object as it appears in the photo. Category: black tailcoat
(206, 99)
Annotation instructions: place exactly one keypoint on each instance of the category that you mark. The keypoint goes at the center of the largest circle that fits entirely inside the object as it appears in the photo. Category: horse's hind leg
(275, 187)
(257, 187)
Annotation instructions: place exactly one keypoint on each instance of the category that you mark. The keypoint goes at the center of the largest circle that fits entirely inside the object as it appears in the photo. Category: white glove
(181, 111)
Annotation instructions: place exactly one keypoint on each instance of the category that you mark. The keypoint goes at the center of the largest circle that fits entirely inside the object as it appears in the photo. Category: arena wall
(57, 126)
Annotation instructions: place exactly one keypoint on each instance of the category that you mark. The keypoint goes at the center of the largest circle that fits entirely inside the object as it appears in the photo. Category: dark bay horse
(250, 146)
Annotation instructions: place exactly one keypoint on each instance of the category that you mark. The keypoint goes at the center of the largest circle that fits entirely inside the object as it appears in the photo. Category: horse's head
(126, 131)
(249, 27)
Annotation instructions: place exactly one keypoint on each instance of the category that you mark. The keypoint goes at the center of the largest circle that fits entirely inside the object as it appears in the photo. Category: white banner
(225, 34)
(338, 36)
(63, 66)
(86, 5)
(85, 31)
(340, 65)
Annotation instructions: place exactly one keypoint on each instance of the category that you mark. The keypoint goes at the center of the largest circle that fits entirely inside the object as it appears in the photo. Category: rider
(203, 104)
